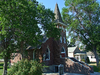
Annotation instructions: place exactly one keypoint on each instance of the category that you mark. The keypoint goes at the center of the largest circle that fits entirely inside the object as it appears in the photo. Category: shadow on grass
(96, 69)
(1, 65)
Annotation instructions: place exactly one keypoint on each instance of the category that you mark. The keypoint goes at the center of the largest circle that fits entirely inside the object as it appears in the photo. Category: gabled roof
(90, 53)
(43, 40)
(71, 49)
(75, 50)
(57, 14)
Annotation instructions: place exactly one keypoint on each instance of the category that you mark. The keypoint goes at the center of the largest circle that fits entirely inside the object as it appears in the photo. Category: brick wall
(16, 57)
(74, 67)
(54, 52)
(90, 67)
(63, 34)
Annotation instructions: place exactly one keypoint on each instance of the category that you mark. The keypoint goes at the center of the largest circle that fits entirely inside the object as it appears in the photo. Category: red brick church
(53, 53)
(51, 50)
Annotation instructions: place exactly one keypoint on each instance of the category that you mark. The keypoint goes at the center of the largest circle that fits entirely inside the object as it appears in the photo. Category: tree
(71, 43)
(20, 22)
(26, 67)
(83, 19)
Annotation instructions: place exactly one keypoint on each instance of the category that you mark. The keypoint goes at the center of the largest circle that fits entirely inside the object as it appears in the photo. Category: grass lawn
(96, 69)
(1, 68)
(1, 71)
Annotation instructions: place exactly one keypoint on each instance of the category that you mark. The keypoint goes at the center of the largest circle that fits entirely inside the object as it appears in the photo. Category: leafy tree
(71, 43)
(20, 22)
(83, 19)
(26, 67)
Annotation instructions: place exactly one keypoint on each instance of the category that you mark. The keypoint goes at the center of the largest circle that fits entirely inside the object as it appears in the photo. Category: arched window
(46, 55)
(63, 50)
(60, 39)
(64, 39)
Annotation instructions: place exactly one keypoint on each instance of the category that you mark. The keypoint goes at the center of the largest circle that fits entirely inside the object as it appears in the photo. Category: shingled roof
(57, 14)
(43, 40)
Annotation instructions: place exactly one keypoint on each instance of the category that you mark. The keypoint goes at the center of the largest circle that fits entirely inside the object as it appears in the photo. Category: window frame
(60, 39)
(64, 39)
(63, 49)
(44, 55)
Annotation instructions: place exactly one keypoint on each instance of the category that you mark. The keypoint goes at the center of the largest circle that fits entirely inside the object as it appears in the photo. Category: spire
(57, 14)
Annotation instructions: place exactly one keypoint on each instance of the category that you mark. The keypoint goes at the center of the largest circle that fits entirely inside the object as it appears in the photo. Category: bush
(87, 60)
(26, 67)
(83, 60)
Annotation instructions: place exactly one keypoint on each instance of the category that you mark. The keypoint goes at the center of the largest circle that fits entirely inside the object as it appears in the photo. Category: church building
(51, 51)
(54, 52)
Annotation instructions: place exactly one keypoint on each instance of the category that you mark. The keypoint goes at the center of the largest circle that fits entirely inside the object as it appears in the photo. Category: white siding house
(76, 53)
(91, 56)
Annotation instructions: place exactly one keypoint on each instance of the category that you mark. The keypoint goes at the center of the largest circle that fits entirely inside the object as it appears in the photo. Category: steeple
(57, 14)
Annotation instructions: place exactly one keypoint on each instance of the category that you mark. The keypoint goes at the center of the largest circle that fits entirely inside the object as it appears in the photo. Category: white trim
(60, 39)
(64, 50)
(49, 52)
(33, 55)
(64, 39)
(44, 55)
(45, 40)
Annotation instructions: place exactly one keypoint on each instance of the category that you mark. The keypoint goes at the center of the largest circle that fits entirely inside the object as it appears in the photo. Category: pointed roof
(57, 14)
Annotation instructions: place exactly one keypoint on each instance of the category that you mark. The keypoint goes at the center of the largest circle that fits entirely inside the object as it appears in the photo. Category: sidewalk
(72, 74)
(95, 73)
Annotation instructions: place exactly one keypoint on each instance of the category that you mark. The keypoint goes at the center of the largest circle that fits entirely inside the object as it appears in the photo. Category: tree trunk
(96, 55)
(22, 51)
(5, 66)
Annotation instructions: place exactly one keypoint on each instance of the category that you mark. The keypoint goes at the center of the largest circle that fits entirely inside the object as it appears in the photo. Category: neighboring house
(91, 56)
(76, 53)
(1, 60)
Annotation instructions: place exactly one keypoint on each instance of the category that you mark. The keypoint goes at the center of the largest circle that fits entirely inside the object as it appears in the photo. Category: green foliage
(96, 69)
(1, 65)
(0, 57)
(71, 43)
(26, 67)
(83, 20)
(20, 22)
(87, 60)
(1, 70)
(83, 60)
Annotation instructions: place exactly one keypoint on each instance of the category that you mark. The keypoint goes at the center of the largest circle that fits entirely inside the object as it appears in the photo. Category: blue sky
(51, 3)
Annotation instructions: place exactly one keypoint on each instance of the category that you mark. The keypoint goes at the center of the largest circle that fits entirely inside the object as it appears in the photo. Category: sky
(51, 3)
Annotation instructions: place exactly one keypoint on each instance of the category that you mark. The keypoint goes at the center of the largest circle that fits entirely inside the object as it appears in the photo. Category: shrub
(87, 60)
(26, 67)
(83, 60)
